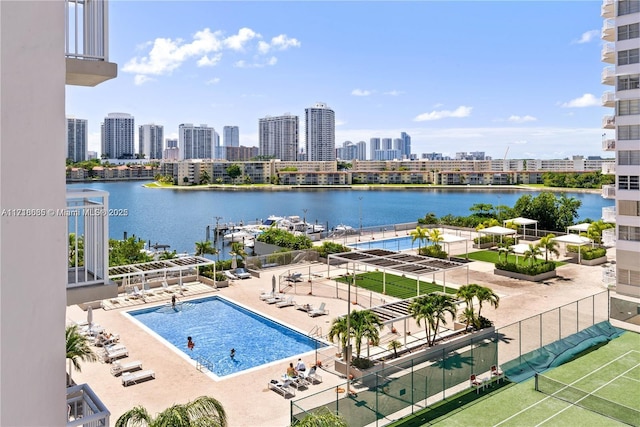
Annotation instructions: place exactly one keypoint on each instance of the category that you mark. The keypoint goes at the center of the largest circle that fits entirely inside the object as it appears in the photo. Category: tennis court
(600, 388)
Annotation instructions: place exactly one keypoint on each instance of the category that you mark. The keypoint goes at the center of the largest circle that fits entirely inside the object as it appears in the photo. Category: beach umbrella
(90, 316)
(234, 261)
(273, 283)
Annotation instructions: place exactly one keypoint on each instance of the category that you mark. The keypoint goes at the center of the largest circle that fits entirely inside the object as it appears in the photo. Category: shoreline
(364, 187)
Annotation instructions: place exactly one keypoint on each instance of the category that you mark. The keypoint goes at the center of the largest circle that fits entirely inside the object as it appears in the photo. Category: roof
(584, 227)
(521, 221)
(573, 239)
(497, 230)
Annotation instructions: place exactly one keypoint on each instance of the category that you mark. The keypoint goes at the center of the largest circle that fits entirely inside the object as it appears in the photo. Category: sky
(519, 79)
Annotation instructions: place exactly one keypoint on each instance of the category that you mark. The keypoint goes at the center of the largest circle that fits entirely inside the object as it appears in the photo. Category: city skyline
(493, 84)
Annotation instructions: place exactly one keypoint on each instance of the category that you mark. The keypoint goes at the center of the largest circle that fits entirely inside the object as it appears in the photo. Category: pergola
(448, 239)
(498, 231)
(158, 268)
(574, 239)
(522, 222)
(580, 228)
(399, 263)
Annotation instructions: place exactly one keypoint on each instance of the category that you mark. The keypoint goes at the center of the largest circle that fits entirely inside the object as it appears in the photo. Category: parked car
(241, 273)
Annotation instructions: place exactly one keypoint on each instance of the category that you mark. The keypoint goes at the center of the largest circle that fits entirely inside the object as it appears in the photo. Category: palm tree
(421, 309)
(78, 349)
(237, 250)
(419, 234)
(76, 257)
(485, 294)
(549, 245)
(205, 247)
(442, 304)
(394, 345)
(339, 330)
(204, 411)
(323, 417)
(365, 324)
(532, 253)
(468, 317)
(467, 293)
(165, 255)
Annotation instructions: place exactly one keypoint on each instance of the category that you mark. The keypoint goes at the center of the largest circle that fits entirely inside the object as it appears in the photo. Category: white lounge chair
(286, 303)
(275, 299)
(303, 307)
(118, 368)
(312, 376)
(230, 275)
(166, 288)
(319, 311)
(266, 295)
(117, 353)
(129, 378)
(282, 387)
(137, 293)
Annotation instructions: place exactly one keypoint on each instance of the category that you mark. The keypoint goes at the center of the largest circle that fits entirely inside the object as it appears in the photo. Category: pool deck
(246, 396)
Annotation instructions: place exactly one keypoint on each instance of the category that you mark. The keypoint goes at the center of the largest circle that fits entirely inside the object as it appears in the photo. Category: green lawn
(396, 286)
(492, 257)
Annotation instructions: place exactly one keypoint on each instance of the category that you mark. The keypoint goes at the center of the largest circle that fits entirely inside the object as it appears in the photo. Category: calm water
(179, 218)
(217, 325)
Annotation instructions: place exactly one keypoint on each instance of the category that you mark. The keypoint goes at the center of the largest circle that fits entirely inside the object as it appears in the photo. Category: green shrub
(529, 270)
(434, 251)
(507, 241)
(330, 248)
(362, 363)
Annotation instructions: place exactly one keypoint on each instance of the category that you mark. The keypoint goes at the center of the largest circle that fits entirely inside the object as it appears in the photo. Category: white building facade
(77, 135)
(117, 135)
(150, 138)
(279, 137)
(196, 142)
(231, 136)
(320, 133)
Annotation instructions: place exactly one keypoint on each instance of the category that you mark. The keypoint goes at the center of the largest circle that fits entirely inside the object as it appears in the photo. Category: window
(631, 31)
(628, 157)
(628, 277)
(631, 56)
(628, 107)
(627, 232)
(626, 133)
(626, 7)
(628, 182)
(628, 82)
(629, 207)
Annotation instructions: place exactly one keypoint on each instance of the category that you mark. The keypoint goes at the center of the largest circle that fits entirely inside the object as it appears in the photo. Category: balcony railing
(609, 214)
(608, 145)
(84, 408)
(608, 30)
(609, 191)
(608, 168)
(608, 99)
(87, 29)
(608, 53)
(609, 76)
(609, 122)
(608, 9)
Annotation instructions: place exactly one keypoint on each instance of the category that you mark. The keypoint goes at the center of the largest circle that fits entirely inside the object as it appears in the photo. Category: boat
(237, 236)
(293, 224)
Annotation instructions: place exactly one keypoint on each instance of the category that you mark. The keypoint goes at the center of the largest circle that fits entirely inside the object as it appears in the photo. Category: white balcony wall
(609, 145)
(609, 214)
(608, 169)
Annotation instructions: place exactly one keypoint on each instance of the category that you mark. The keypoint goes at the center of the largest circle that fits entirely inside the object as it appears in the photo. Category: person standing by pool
(232, 353)
(190, 343)
(173, 301)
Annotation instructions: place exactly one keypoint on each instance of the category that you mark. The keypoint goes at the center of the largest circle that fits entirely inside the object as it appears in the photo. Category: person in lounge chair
(291, 371)
(300, 367)
(190, 343)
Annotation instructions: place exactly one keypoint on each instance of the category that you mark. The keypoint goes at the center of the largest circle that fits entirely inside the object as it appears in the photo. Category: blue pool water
(395, 244)
(218, 325)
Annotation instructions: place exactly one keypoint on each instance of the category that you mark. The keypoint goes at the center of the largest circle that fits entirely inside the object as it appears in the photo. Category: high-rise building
(406, 144)
(621, 36)
(386, 144)
(117, 135)
(320, 133)
(374, 145)
(362, 150)
(77, 135)
(171, 143)
(278, 137)
(150, 139)
(231, 136)
(196, 142)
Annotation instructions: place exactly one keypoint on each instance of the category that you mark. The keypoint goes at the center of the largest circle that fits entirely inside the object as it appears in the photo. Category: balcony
(608, 99)
(609, 76)
(87, 43)
(608, 168)
(608, 145)
(84, 408)
(88, 249)
(609, 214)
(608, 53)
(609, 122)
(608, 30)
(608, 9)
(609, 191)
(609, 237)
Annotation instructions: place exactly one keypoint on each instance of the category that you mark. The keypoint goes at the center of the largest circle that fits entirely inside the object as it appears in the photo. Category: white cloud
(393, 92)
(238, 41)
(519, 142)
(283, 42)
(521, 119)
(586, 100)
(205, 61)
(213, 81)
(141, 79)
(461, 111)
(340, 123)
(263, 47)
(587, 36)
(361, 92)
(257, 64)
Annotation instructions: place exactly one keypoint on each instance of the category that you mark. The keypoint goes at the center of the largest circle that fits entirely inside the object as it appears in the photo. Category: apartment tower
(196, 142)
(278, 137)
(231, 136)
(117, 134)
(320, 133)
(150, 139)
(77, 135)
(621, 50)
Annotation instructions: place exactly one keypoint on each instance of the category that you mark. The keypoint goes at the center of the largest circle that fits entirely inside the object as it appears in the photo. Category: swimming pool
(217, 325)
(395, 244)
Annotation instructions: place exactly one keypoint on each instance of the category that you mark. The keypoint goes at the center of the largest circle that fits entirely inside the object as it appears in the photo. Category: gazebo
(448, 239)
(498, 231)
(574, 239)
(522, 222)
(579, 228)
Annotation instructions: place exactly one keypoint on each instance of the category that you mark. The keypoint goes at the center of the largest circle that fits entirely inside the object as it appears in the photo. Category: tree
(419, 234)
(485, 294)
(532, 253)
(129, 251)
(549, 246)
(165, 255)
(365, 324)
(339, 330)
(204, 247)
(594, 232)
(468, 317)
(323, 417)
(78, 349)
(234, 171)
(394, 345)
(76, 257)
(204, 411)
(204, 178)
(431, 309)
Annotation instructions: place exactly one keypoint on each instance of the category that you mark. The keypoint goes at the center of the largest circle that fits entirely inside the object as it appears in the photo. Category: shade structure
(498, 231)
(580, 228)
(523, 222)
(574, 239)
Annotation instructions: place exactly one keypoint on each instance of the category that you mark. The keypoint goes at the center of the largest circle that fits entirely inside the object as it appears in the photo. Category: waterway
(179, 218)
